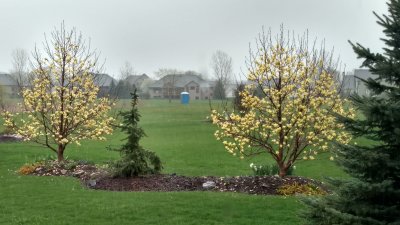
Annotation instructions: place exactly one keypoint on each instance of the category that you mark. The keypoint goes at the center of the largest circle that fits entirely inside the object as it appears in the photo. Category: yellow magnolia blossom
(61, 105)
(290, 104)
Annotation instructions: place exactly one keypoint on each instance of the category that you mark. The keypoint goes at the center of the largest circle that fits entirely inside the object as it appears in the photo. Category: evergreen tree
(126, 90)
(372, 195)
(112, 90)
(123, 89)
(237, 100)
(119, 89)
(135, 160)
(133, 88)
(219, 90)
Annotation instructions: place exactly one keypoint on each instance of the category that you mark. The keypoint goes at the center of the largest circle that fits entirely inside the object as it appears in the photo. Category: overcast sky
(183, 34)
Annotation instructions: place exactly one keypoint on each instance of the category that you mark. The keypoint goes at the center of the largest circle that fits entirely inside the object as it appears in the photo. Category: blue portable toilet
(185, 97)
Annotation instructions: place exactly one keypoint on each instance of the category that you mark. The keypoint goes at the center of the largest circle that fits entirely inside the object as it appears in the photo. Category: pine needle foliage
(135, 160)
(372, 195)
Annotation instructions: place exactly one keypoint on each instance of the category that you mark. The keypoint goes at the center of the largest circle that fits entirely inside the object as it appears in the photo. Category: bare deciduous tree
(123, 87)
(19, 72)
(126, 70)
(167, 71)
(2, 106)
(169, 75)
(144, 87)
(221, 64)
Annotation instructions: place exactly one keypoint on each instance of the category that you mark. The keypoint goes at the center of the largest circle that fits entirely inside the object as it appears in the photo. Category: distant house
(104, 82)
(351, 83)
(137, 80)
(361, 89)
(230, 90)
(174, 84)
(8, 85)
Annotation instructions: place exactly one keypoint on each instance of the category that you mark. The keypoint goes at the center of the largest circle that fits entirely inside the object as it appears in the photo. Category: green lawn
(186, 145)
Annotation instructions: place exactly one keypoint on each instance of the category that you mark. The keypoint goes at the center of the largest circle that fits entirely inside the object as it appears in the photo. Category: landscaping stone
(78, 173)
(209, 185)
(91, 183)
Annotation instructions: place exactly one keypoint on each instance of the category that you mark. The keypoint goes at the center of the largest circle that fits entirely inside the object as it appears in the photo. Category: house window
(197, 97)
(192, 87)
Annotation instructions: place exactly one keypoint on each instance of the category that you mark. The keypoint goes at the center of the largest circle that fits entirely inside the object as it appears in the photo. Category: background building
(8, 86)
(170, 86)
(351, 83)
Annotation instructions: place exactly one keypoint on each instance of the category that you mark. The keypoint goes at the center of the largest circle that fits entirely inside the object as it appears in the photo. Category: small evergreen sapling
(135, 160)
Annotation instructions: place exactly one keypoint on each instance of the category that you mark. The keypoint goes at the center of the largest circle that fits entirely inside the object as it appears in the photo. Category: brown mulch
(9, 138)
(85, 172)
(257, 185)
(100, 179)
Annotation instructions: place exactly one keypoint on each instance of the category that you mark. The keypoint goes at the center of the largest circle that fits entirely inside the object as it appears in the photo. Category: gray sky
(183, 34)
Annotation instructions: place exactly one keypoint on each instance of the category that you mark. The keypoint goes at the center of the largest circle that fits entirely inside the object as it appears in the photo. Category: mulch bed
(257, 185)
(100, 179)
(9, 138)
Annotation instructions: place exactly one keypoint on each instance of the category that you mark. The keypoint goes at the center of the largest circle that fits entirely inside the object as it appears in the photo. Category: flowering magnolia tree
(61, 105)
(290, 104)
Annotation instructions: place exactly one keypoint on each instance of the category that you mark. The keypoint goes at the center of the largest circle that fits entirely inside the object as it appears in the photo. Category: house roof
(132, 79)
(180, 80)
(103, 80)
(186, 79)
(363, 73)
(157, 84)
(207, 84)
(349, 82)
(6, 80)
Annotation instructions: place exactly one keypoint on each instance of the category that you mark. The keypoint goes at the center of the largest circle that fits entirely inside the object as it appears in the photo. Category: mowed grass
(183, 139)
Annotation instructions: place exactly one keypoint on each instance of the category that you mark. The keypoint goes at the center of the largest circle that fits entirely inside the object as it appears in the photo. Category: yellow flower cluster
(62, 106)
(292, 101)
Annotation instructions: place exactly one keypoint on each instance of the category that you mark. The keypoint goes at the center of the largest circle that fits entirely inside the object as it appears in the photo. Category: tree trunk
(60, 153)
(169, 95)
(282, 170)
